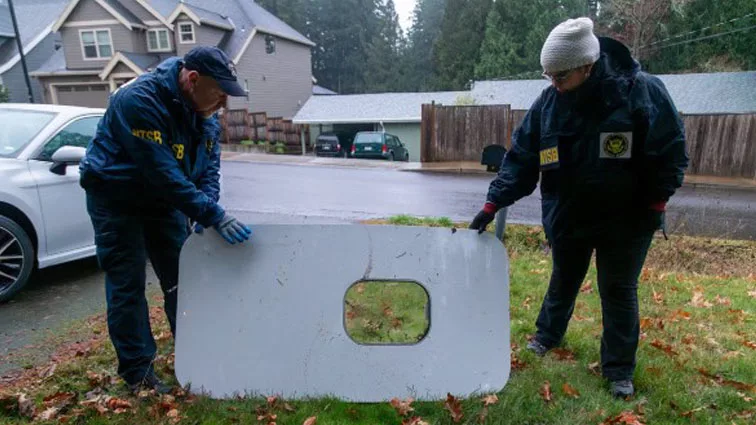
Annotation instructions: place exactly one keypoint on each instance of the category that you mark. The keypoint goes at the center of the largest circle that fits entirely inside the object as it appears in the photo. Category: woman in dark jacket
(609, 146)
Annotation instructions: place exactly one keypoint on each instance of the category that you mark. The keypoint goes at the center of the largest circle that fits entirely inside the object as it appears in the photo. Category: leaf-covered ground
(696, 361)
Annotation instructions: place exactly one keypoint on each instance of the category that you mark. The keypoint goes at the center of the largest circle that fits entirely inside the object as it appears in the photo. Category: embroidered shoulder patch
(616, 145)
(549, 156)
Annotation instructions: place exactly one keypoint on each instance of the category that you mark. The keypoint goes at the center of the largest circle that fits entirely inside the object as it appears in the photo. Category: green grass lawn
(696, 360)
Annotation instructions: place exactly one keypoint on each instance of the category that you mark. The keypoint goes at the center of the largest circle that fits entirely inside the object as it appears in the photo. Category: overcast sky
(404, 9)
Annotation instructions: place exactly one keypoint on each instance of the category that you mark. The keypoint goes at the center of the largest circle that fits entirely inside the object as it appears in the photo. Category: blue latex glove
(198, 228)
(233, 230)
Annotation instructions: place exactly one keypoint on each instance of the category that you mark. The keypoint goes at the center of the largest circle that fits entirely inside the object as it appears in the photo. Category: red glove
(659, 206)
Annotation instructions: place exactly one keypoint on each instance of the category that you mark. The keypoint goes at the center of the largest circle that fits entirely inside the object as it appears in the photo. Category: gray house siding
(138, 10)
(123, 40)
(279, 83)
(204, 36)
(14, 80)
(88, 10)
(409, 134)
(138, 41)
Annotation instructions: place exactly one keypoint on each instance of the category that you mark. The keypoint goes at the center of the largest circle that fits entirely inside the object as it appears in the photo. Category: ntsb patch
(616, 145)
(549, 156)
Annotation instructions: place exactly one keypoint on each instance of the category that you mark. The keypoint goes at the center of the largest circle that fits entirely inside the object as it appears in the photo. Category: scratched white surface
(267, 317)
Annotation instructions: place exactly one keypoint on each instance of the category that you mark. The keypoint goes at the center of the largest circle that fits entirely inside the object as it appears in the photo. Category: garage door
(92, 95)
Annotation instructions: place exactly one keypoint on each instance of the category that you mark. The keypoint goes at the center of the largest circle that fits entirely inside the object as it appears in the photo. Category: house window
(96, 44)
(158, 40)
(270, 44)
(186, 33)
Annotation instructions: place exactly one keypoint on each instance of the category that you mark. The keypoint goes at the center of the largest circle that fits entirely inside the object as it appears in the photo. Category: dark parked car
(328, 144)
(379, 145)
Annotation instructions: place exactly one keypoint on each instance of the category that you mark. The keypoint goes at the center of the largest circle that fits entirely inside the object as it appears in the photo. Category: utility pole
(21, 51)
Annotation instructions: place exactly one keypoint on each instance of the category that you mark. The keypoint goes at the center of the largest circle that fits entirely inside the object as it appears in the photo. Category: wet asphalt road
(273, 193)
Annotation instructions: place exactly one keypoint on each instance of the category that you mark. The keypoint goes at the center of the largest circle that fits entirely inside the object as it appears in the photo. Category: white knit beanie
(569, 45)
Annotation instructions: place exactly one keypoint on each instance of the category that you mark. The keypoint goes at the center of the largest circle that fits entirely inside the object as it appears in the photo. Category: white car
(43, 213)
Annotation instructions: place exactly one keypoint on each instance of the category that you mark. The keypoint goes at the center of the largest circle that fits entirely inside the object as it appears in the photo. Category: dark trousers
(619, 263)
(126, 234)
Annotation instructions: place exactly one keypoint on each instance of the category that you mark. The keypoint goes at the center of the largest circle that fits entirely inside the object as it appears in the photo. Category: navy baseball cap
(213, 62)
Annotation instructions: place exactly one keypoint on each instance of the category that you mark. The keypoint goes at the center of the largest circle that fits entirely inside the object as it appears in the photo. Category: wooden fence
(721, 145)
(238, 125)
(459, 133)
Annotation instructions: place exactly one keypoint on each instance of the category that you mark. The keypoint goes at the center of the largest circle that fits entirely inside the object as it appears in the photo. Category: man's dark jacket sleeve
(519, 171)
(155, 158)
(209, 183)
(664, 149)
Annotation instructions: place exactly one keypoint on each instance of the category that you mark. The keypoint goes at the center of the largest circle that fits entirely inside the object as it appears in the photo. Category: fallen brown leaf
(750, 344)
(402, 407)
(654, 370)
(526, 303)
(595, 368)
(722, 381)
(60, 400)
(360, 288)
(752, 294)
(415, 420)
(287, 407)
(490, 400)
(545, 392)
(563, 354)
(586, 288)
(48, 414)
(722, 300)
(658, 297)
(116, 403)
(690, 413)
(688, 339)
(745, 397)
(699, 301)
(732, 354)
(515, 363)
(454, 407)
(626, 418)
(658, 344)
(679, 314)
(570, 390)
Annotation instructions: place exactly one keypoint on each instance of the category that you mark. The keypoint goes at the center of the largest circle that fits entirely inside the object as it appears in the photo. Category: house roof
(143, 61)
(714, 93)
(6, 25)
(35, 19)
(56, 66)
(123, 11)
(266, 22)
(358, 108)
(201, 16)
(710, 93)
(318, 90)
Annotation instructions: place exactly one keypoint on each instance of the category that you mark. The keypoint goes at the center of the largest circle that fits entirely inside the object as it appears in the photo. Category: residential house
(108, 42)
(35, 20)
(400, 113)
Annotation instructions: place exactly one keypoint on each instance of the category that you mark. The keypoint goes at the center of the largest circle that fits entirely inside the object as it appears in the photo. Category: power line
(708, 37)
(699, 30)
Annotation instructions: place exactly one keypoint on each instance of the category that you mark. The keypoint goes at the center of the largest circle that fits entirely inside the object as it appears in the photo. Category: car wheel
(406, 158)
(16, 258)
(391, 156)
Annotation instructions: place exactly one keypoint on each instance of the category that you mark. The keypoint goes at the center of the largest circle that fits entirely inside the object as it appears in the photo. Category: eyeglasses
(559, 76)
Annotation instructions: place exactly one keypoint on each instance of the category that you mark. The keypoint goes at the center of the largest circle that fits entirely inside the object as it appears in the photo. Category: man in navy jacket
(152, 167)
(609, 146)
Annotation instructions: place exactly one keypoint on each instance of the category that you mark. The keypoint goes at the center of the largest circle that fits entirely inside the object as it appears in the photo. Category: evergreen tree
(513, 50)
(458, 46)
(417, 58)
(4, 95)
(381, 72)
